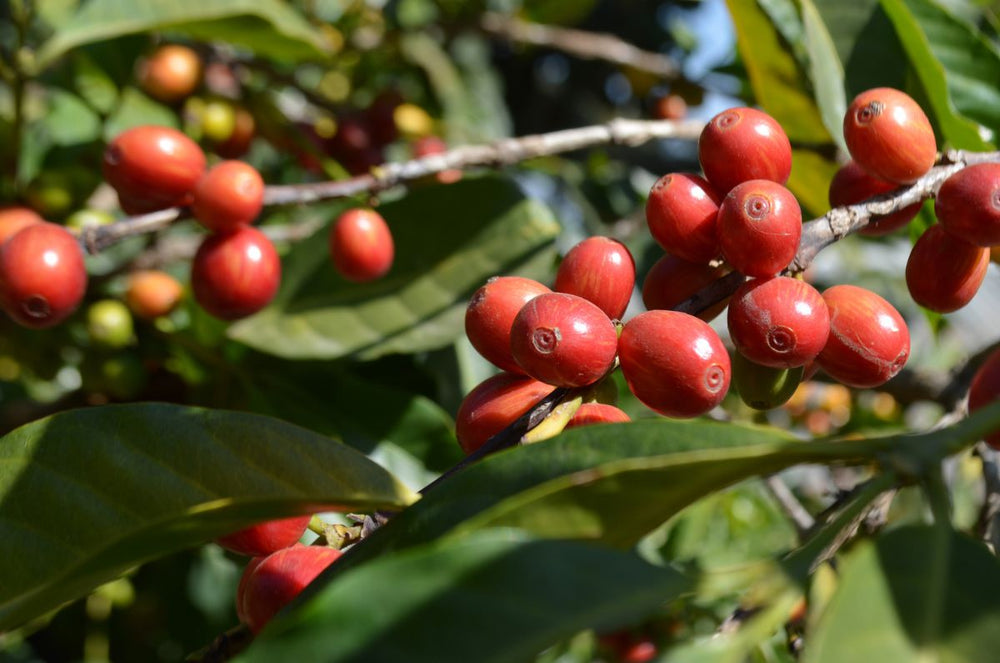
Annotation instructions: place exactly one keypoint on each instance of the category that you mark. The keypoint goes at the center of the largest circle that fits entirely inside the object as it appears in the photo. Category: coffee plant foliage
(841, 524)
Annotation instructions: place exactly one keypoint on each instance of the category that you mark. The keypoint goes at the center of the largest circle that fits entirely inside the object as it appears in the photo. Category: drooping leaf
(270, 27)
(825, 71)
(919, 593)
(863, 34)
(136, 109)
(779, 84)
(449, 240)
(87, 494)
(494, 597)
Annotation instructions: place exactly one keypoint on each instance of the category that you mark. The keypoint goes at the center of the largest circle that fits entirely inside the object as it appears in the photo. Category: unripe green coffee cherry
(762, 387)
(109, 324)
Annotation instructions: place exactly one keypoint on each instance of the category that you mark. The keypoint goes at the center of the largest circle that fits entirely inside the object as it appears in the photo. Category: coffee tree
(393, 331)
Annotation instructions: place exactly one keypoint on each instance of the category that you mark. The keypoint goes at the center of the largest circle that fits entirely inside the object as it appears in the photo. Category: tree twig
(798, 514)
(580, 43)
(501, 153)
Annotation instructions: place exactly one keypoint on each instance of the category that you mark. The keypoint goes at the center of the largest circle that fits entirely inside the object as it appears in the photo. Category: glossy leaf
(88, 494)
(612, 483)
(919, 593)
(479, 597)
(270, 27)
(971, 62)
(449, 240)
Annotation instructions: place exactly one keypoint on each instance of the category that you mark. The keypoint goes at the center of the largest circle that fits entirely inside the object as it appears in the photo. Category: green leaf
(69, 121)
(863, 34)
(386, 423)
(270, 28)
(449, 240)
(919, 593)
(93, 83)
(825, 72)
(495, 597)
(971, 62)
(778, 83)
(613, 483)
(88, 494)
(957, 131)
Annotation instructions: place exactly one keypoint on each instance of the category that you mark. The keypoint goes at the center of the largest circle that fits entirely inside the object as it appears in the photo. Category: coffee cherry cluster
(738, 216)
(279, 570)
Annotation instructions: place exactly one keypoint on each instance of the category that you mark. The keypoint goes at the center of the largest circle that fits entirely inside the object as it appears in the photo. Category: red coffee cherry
(742, 144)
(152, 168)
(152, 293)
(889, 136)
(680, 212)
(13, 219)
(229, 195)
(968, 204)
(265, 538)
(171, 73)
(671, 281)
(272, 583)
(597, 413)
(600, 270)
(985, 389)
(853, 185)
(493, 405)
(491, 313)
(674, 363)
(943, 272)
(869, 341)
(236, 274)
(361, 245)
(670, 107)
(759, 224)
(241, 588)
(42, 275)
(780, 322)
(563, 340)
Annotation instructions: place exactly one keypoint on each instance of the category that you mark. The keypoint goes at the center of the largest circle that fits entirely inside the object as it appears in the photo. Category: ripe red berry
(889, 136)
(13, 219)
(236, 274)
(943, 272)
(150, 294)
(229, 195)
(674, 363)
(361, 245)
(272, 583)
(495, 404)
(152, 168)
(42, 275)
(265, 538)
(742, 144)
(671, 281)
(985, 389)
(680, 213)
(780, 322)
(171, 73)
(563, 340)
(869, 341)
(852, 185)
(491, 313)
(670, 107)
(968, 204)
(759, 224)
(597, 413)
(600, 270)
(241, 588)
